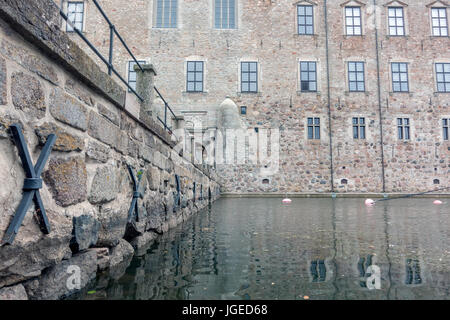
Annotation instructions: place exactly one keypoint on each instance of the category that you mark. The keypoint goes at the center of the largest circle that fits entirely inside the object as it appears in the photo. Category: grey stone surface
(108, 114)
(5, 122)
(104, 186)
(122, 251)
(61, 280)
(67, 180)
(103, 130)
(29, 61)
(3, 83)
(153, 178)
(16, 292)
(65, 141)
(102, 258)
(75, 89)
(28, 95)
(98, 151)
(113, 221)
(67, 109)
(85, 232)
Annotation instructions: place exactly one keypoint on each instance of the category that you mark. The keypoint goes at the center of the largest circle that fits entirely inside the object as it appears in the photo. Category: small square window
(359, 128)
(194, 76)
(403, 128)
(75, 14)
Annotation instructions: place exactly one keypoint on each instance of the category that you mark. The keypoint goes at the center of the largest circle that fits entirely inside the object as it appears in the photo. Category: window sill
(397, 37)
(195, 92)
(441, 92)
(318, 93)
(345, 36)
(258, 94)
(401, 92)
(357, 92)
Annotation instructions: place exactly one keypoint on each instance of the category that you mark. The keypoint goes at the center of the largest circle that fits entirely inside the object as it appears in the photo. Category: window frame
(443, 73)
(195, 81)
(129, 71)
(401, 128)
(400, 82)
(314, 126)
(249, 82)
(360, 128)
(163, 13)
(221, 26)
(396, 26)
(308, 72)
(82, 16)
(446, 129)
(304, 5)
(356, 72)
(353, 26)
(439, 27)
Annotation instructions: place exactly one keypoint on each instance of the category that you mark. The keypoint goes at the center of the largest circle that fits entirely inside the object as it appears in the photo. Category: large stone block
(103, 130)
(3, 76)
(153, 178)
(67, 179)
(109, 114)
(13, 293)
(104, 186)
(113, 222)
(65, 278)
(75, 89)
(28, 95)
(65, 141)
(85, 232)
(98, 151)
(123, 251)
(69, 110)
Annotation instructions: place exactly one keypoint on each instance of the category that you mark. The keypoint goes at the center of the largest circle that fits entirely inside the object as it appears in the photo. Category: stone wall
(49, 85)
(266, 32)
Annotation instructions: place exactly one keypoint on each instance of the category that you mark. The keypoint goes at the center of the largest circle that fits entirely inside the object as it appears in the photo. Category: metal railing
(109, 62)
(166, 107)
(112, 31)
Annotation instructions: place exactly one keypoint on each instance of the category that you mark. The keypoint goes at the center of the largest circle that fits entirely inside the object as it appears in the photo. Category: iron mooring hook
(134, 208)
(31, 185)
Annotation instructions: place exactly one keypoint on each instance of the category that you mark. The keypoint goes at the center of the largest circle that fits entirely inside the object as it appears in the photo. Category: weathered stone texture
(68, 110)
(103, 130)
(65, 141)
(13, 293)
(97, 151)
(85, 232)
(104, 186)
(77, 90)
(108, 114)
(3, 97)
(67, 180)
(28, 95)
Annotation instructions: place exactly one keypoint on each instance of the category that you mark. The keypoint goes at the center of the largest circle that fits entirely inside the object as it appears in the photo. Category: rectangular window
(400, 77)
(194, 76)
(75, 14)
(356, 81)
(443, 77)
(225, 14)
(249, 77)
(403, 128)
(314, 128)
(396, 21)
(305, 19)
(132, 73)
(439, 22)
(353, 24)
(445, 128)
(308, 76)
(359, 128)
(166, 13)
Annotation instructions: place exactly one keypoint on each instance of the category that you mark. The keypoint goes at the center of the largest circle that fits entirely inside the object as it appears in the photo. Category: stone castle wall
(267, 33)
(49, 85)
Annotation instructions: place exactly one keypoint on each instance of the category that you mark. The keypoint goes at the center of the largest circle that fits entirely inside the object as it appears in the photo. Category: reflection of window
(400, 77)
(318, 271)
(75, 14)
(194, 76)
(132, 74)
(308, 76)
(403, 128)
(166, 13)
(305, 19)
(443, 77)
(225, 14)
(439, 22)
(396, 21)
(353, 21)
(249, 77)
(356, 76)
(314, 128)
(413, 272)
(359, 128)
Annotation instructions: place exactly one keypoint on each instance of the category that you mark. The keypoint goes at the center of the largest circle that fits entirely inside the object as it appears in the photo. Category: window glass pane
(309, 30)
(355, 132)
(253, 77)
(310, 120)
(316, 120)
(198, 86)
(312, 86)
(304, 76)
(317, 132)
(310, 132)
(253, 87)
(396, 86)
(245, 87)
(362, 132)
(245, 76)
(190, 86)
(253, 66)
(404, 87)
(244, 66)
(360, 86)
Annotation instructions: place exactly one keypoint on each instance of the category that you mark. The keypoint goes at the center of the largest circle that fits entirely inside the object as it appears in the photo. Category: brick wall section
(267, 33)
(87, 188)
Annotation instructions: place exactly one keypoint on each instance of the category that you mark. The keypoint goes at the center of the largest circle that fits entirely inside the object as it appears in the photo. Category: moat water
(313, 248)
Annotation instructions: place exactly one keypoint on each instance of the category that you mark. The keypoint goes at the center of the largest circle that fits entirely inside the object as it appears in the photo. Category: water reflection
(323, 248)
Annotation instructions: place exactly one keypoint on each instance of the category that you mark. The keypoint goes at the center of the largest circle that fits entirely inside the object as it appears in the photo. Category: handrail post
(145, 79)
(111, 47)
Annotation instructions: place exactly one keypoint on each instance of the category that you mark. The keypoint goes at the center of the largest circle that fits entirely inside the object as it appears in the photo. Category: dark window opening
(344, 181)
(403, 128)
(314, 128)
(436, 181)
(308, 76)
(359, 128)
(265, 181)
(443, 77)
(445, 127)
